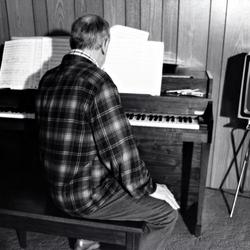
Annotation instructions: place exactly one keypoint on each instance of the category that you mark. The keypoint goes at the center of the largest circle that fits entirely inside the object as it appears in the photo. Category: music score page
(133, 62)
(21, 64)
(26, 59)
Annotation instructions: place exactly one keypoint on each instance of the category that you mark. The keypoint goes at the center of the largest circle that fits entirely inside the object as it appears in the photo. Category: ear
(105, 45)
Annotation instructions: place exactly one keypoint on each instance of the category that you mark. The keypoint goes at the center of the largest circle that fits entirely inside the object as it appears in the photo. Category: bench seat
(30, 209)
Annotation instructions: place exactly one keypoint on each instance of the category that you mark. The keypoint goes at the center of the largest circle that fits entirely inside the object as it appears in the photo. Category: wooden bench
(28, 208)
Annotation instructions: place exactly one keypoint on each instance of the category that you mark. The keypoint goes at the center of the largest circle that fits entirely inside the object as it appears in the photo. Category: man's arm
(115, 142)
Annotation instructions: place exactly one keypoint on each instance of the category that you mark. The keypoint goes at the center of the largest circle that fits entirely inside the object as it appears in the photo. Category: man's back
(66, 142)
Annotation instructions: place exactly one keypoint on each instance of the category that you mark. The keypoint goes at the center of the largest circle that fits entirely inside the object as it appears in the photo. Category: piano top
(186, 78)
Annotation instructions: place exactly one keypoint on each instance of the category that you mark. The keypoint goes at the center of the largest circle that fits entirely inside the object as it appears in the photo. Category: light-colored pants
(159, 216)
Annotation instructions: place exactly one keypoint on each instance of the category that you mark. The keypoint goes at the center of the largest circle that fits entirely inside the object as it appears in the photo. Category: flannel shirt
(85, 139)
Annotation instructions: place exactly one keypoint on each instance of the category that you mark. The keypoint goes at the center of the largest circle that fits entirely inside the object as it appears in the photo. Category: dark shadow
(58, 32)
(190, 217)
(53, 34)
(1, 53)
(225, 200)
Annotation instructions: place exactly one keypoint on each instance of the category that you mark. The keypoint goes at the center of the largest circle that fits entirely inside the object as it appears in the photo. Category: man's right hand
(163, 193)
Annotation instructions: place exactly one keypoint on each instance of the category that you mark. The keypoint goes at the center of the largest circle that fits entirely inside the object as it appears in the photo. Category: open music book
(133, 62)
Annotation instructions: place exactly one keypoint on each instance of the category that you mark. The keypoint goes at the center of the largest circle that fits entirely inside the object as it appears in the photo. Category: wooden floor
(219, 231)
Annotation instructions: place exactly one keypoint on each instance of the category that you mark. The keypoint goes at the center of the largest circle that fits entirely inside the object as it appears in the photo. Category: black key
(138, 117)
(156, 117)
(150, 117)
(167, 118)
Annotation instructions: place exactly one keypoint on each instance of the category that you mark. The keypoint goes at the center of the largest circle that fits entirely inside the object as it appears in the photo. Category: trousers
(159, 216)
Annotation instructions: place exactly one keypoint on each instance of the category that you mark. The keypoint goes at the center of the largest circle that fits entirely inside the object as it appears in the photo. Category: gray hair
(89, 31)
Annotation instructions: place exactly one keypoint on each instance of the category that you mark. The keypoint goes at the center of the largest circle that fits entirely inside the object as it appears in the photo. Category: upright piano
(172, 131)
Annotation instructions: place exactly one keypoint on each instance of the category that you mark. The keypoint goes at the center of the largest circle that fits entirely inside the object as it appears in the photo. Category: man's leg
(159, 216)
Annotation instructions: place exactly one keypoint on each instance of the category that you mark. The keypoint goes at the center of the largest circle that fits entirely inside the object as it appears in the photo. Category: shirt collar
(79, 52)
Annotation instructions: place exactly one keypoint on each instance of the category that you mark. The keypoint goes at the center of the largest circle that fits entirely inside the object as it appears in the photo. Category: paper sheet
(25, 60)
(135, 65)
(124, 32)
(21, 64)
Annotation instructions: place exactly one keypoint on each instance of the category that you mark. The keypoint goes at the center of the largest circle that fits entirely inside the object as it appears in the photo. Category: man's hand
(163, 193)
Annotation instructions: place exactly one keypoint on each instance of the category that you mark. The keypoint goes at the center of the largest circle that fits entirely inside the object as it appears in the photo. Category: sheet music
(25, 60)
(20, 64)
(60, 47)
(133, 62)
(135, 66)
(124, 32)
(45, 52)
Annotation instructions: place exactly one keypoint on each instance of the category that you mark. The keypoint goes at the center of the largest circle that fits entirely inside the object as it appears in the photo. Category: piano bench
(31, 210)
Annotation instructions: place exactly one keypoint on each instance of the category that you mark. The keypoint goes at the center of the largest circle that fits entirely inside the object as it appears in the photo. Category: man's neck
(94, 54)
(87, 54)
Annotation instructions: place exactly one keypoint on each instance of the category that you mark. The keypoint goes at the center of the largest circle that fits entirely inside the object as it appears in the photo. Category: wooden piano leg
(22, 238)
(186, 171)
(205, 149)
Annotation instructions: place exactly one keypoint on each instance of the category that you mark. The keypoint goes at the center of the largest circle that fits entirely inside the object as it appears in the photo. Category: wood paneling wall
(199, 33)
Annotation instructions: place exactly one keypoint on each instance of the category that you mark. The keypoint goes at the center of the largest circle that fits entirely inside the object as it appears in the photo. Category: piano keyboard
(163, 121)
(17, 115)
(135, 119)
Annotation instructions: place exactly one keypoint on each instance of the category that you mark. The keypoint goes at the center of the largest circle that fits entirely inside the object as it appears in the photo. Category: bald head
(89, 32)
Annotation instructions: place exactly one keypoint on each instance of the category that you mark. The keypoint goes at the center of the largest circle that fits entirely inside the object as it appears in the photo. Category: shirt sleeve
(115, 142)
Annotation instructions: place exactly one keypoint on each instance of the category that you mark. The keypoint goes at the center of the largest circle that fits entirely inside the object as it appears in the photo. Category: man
(87, 148)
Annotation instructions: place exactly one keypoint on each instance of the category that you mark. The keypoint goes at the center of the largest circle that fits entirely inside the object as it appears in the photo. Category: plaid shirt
(86, 143)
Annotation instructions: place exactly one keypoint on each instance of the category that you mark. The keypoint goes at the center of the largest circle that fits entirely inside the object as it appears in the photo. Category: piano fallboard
(164, 104)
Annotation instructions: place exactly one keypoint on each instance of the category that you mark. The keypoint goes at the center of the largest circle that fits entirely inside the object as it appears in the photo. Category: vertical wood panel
(215, 53)
(4, 28)
(133, 13)
(170, 29)
(114, 11)
(193, 32)
(151, 18)
(61, 14)
(40, 17)
(88, 7)
(237, 40)
(20, 16)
